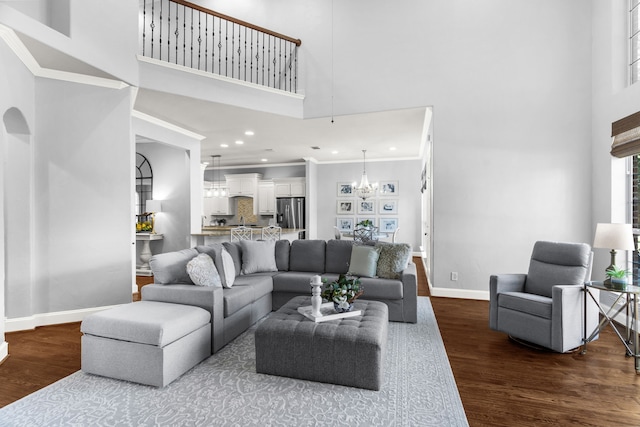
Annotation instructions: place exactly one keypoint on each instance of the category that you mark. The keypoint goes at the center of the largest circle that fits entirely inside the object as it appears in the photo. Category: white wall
(406, 172)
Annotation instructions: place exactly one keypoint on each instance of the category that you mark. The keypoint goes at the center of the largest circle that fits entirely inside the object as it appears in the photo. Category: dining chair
(241, 233)
(393, 236)
(271, 233)
(336, 233)
(364, 234)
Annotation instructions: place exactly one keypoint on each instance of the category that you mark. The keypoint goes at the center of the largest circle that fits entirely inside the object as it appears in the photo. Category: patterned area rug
(224, 390)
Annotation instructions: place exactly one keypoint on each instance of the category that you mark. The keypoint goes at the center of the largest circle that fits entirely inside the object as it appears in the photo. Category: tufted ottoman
(146, 342)
(348, 351)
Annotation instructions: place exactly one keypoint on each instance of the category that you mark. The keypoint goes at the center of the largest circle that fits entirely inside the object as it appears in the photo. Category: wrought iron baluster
(268, 60)
(233, 49)
(191, 44)
(169, 32)
(206, 43)
(160, 39)
(290, 68)
(245, 54)
(144, 25)
(280, 64)
(220, 46)
(295, 67)
(226, 46)
(184, 35)
(177, 33)
(153, 25)
(199, 37)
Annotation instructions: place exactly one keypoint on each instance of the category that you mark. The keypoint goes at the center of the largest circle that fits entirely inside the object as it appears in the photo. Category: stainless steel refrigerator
(290, 213)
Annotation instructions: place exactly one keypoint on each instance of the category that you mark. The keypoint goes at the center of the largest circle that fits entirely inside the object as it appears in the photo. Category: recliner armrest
(499, 283)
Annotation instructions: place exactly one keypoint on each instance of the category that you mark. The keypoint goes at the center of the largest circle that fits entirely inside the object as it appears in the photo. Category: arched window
(144, 183)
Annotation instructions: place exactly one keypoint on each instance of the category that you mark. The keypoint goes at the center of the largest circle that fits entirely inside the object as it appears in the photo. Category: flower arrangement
(343, 292)
(365, 223)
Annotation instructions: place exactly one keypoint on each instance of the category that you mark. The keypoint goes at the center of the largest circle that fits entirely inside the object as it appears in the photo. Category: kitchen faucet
(242, 220)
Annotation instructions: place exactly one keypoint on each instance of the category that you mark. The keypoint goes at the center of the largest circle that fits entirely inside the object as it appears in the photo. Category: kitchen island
(218, 234)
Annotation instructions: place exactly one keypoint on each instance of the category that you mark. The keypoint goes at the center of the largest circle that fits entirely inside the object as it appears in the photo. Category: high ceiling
(280, 140)
(277, 139)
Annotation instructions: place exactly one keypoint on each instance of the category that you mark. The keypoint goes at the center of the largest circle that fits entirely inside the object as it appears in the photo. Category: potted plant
(617, 277)
(343, 292)
(366, 223)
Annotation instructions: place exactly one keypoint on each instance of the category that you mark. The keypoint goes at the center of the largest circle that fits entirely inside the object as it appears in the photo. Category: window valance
(626, 136)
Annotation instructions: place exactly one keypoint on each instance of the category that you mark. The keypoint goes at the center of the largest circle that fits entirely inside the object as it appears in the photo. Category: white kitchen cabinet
(243, 184)
(215, 206)
(291, 187)
(266, 198)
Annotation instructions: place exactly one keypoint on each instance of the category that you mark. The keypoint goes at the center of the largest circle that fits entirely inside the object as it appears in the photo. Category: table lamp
(153, 207)
(613, 236)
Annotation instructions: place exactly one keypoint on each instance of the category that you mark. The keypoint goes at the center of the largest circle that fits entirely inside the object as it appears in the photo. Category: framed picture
(389, 188)
(388, 225)
(345, 189)
(345, 224)
(388, 206)
(366, 207)
(345, 207)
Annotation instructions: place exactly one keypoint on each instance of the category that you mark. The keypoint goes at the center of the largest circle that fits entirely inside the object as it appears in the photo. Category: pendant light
(364, 190)
(218, 190)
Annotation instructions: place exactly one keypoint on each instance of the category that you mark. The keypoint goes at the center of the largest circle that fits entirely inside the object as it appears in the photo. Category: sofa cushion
(307, 255)
(214, 250)
(381, 289)
(283, 248)
(338, 255)
(171, 267)
(293, 281)
(536, 305)
(258, 256)
(364, 260)
(394, 258)
(202, 271)
(246, 290)
(557, 263)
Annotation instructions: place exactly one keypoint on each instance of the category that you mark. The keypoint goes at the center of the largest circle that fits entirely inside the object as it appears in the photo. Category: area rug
(224, 390)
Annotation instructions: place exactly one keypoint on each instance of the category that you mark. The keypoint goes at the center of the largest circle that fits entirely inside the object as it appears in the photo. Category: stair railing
(186, 34)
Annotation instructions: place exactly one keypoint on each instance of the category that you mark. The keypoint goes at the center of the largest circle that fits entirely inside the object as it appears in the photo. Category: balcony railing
(186, 34)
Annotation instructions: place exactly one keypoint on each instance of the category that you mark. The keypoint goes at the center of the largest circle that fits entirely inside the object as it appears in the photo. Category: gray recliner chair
(546, 306)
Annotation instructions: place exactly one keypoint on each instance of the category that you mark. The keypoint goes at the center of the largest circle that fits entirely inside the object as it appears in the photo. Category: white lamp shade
(614, 236)
(154, 206)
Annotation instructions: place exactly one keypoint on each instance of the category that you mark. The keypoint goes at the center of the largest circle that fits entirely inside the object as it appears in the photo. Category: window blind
(626, 136)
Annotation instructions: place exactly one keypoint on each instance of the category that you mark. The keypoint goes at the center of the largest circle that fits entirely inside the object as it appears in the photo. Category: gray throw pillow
(394, 258)
(203, 272)
(363, 261)
(258, 256)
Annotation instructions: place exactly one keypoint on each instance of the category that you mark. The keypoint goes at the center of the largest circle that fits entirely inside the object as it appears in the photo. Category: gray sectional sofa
(264, 280)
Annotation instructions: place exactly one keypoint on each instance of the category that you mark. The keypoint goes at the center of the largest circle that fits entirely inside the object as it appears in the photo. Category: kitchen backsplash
(245, 210)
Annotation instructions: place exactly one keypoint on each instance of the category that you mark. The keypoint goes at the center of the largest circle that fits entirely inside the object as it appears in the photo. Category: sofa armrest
(499, 283)
(208, 297)
(410, 293)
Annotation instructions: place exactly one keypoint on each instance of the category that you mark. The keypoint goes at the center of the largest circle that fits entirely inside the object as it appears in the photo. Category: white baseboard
(459, 293)
(4, 351)
(44, 319)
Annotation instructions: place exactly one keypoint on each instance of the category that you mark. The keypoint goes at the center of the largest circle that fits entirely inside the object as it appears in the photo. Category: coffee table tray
(328, 313)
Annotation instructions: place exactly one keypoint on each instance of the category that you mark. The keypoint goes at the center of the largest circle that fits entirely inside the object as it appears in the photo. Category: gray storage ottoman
(348, 351)
(146, 342)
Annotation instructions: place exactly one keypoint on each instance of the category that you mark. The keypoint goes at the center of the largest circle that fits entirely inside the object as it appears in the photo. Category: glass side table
(628, 297)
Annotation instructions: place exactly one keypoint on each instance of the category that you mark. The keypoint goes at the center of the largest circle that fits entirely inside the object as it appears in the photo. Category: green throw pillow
(363, 261)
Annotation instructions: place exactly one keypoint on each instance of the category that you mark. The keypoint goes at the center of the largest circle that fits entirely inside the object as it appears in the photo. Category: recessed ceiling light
(238, 142)
(224, 145)
(392, 148)
(263, 160)
(249, 133)
(334, 152)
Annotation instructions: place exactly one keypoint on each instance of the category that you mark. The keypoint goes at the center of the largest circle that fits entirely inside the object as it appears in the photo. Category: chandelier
(218, 189)
(364, 190)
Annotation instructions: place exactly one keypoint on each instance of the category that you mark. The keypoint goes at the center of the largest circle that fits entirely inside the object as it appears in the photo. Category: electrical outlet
(454, 275)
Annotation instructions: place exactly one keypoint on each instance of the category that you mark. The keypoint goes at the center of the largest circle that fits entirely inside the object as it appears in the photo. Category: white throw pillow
(203, 272)
(229, 269)
(258, 256)
(364, 260)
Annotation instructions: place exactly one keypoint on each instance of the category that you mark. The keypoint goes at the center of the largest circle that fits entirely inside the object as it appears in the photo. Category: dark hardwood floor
(501, 383)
